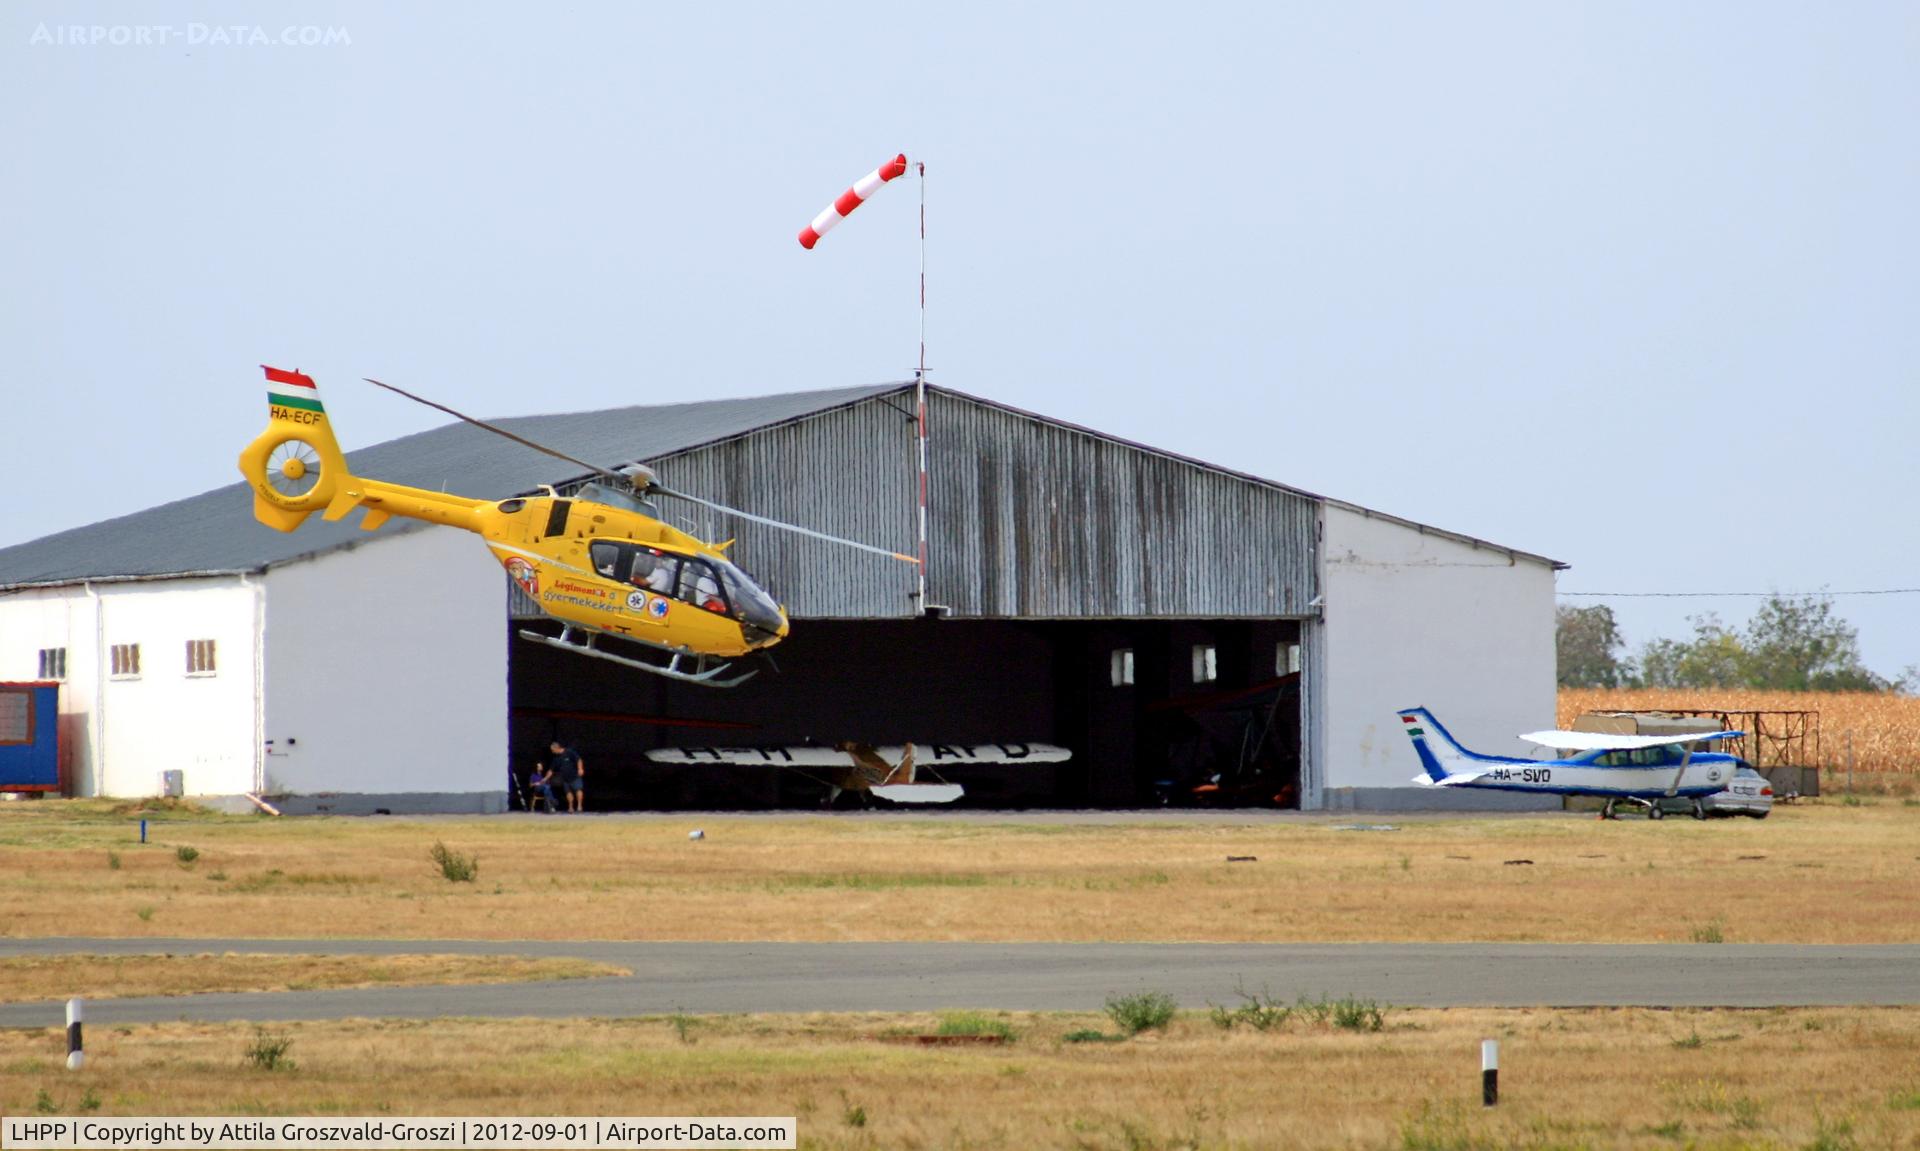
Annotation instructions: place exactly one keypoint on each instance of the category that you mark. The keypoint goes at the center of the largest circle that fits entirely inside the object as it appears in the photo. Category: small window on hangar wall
(1122, 667)
(1206, 667)
(16, 715)
(53, 663)
(123, 661)
(1286, 658)
(200, 659)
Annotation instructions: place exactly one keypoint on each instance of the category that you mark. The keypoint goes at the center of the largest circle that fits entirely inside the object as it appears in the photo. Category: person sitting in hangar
(541, 781)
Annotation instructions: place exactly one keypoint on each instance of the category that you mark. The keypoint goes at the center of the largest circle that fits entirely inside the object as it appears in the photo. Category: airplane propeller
(641, 479)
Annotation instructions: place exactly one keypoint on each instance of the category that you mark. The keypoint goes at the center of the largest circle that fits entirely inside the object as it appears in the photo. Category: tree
(1586, 640)
(1799, 644)
(1714, 657)
(1792, 643)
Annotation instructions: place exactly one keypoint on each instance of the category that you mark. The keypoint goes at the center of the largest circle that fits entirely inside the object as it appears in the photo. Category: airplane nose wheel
(1699, 810)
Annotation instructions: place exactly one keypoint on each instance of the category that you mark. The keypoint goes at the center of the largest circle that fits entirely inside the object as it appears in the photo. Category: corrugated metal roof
(215, 531)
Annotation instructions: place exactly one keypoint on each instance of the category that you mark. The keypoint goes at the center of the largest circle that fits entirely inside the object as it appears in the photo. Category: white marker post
(1489, 1072)
(75, 1055)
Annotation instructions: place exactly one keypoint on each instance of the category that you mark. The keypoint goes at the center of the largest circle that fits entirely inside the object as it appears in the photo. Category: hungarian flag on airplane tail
(292, 390)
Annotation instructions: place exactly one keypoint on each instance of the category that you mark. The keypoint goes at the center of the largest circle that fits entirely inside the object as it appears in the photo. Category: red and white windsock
(850, 199)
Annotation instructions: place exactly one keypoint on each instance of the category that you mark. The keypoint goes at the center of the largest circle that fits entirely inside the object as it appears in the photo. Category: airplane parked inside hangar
(1642, 769)
(888, 772)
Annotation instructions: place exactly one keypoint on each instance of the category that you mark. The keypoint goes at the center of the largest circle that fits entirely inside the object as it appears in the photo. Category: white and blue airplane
(1642, 769)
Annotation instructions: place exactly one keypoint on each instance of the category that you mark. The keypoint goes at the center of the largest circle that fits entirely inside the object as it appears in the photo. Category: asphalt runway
(799, 977)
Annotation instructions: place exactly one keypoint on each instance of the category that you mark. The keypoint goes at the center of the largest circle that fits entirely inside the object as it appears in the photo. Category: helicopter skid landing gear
(672, 669)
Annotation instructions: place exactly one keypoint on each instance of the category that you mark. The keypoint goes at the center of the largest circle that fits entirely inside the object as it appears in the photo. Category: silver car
(1747, 793)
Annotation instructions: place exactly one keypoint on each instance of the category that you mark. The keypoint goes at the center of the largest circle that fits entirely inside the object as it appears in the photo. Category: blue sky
(1631, 285)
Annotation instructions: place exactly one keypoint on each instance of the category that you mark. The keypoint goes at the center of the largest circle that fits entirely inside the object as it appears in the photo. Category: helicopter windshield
(751, 605)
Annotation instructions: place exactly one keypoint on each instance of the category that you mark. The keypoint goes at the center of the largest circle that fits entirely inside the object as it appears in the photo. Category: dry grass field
(1827, 1078)
(1885, 728)
(28, 978)
(1813, 873)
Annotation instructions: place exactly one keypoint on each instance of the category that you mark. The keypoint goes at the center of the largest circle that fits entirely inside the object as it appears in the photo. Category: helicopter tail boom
(296, 468)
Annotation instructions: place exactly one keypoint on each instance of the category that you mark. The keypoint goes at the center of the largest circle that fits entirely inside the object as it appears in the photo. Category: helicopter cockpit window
(751, 605)
(700, 586)
(653, 570)
(606, 559)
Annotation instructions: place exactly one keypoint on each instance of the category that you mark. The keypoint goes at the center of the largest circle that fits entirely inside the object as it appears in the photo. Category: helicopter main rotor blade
(500, 431)
(784, 526)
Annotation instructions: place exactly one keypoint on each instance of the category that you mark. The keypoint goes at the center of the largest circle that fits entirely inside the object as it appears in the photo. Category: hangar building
(1173, 624)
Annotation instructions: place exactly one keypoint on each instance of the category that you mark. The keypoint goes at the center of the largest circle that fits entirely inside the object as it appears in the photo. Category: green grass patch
(972, 1023)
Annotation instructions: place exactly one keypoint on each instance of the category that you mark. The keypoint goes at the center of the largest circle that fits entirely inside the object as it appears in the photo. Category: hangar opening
(1152, 712)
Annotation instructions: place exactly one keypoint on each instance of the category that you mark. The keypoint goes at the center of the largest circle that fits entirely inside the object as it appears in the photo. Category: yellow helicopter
(600, 562)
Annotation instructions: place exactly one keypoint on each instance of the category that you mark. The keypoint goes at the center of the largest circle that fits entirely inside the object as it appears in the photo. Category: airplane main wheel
(1654, 812)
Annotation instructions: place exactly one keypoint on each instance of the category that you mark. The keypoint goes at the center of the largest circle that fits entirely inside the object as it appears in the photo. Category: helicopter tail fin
(295, 465)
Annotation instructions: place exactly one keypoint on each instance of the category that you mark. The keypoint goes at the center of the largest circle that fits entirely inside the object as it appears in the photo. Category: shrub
(1136, 1013)
(1350, 1014)
(683, 1025)
(113, 861)
(455, 867)
(1261, 1011)
(185, 854)
(1708, 933)
(268, 1052)
(1089, 1035)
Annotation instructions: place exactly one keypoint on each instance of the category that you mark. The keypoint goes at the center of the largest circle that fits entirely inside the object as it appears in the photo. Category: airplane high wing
(1605, 741)
(888, 772)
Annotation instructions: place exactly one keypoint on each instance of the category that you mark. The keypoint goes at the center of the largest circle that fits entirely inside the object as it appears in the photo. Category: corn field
(1885, 729)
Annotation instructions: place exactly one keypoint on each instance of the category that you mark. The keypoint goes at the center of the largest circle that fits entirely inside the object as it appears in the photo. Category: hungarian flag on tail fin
(292, 390)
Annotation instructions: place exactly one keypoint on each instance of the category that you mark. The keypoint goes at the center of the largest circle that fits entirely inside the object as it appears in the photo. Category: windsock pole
(920, 395)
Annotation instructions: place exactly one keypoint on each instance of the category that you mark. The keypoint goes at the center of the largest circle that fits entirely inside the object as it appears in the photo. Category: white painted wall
(132, 729)
(386, 668)
(1414, 619)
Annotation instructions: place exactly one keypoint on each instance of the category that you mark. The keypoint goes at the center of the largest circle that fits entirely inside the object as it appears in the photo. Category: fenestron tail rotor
(640, 479)
(294, 467)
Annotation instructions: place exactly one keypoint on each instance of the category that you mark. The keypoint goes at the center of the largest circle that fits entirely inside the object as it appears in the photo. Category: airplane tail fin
(295, 466)
(1445, 761)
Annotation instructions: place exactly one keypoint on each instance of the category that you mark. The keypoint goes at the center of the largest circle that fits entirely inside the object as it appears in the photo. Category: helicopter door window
(606, 560)
(653, 570)
(700, 586)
